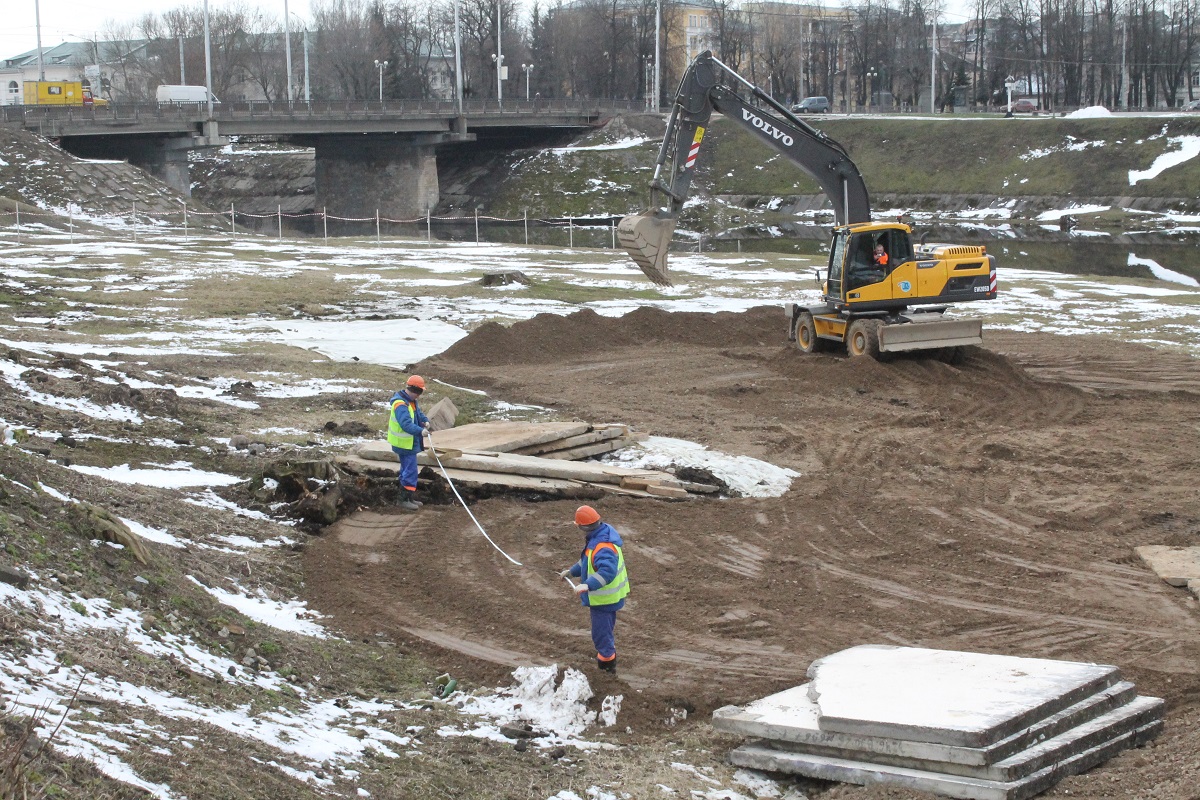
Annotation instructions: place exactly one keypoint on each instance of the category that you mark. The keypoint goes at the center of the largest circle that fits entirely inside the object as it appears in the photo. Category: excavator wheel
(862, 338)
(806, 335)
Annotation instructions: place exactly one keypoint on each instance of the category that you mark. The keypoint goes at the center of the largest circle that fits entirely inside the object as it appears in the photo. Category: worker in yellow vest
(406, 426)
(604, 583)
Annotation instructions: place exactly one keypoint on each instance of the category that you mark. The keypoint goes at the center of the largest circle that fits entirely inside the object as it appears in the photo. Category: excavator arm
(647, 236)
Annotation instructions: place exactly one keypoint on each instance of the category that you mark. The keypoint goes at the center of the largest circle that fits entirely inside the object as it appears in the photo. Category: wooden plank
(587, 451)
(658, 490)
(476, 478)
(504, 437)
(442, 415)
(591, 437)
(511, 463)
(699, 488)
(367, 466)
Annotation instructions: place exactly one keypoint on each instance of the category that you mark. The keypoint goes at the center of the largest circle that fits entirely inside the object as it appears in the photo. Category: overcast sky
(78, 20)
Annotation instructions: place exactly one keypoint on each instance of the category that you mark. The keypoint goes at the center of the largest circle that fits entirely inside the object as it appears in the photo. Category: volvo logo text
(766, 127)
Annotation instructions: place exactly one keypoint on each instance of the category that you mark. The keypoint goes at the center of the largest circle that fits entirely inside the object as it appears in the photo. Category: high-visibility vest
(397, 437)
(615, 590)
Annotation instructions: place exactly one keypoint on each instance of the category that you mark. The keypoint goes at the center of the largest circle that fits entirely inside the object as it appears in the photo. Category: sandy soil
(987, 507)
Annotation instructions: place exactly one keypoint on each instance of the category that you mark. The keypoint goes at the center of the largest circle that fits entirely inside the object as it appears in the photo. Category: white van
(183, 94)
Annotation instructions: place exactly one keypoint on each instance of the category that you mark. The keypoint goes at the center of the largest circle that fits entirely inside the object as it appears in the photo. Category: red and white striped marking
(695, 149)
(994, 283)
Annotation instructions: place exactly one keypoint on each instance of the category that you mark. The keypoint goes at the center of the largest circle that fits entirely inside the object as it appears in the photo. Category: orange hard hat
(417, 381)
(586, 515)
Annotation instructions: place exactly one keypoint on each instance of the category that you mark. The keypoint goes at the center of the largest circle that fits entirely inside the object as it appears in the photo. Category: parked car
(1022, 106)
(812, 105)
(1192, 106)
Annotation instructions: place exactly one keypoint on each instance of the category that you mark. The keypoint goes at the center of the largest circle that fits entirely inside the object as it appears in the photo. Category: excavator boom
(647, 236)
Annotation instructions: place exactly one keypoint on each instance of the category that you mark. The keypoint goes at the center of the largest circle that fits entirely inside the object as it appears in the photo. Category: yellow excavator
(875, 301)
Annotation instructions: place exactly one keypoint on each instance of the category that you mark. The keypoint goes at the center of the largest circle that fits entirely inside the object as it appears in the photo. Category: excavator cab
(856, 274)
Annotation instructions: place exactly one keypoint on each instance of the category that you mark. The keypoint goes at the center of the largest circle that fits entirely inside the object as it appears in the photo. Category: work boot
(608, 666)
(407, 502)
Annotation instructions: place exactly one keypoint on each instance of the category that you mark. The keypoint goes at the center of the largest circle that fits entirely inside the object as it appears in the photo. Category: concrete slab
(1142, 711)
(763, 756)
(944, 696)
(1175, 565)
(791, 717)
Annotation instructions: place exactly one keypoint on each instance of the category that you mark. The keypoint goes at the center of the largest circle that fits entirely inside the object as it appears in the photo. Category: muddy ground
(991, 506)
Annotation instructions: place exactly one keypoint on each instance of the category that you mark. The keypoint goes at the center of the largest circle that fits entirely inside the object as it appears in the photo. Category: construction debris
(966, 725)
(542, 457)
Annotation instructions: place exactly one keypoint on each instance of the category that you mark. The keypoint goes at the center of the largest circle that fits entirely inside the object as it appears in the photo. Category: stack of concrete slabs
(967, 725)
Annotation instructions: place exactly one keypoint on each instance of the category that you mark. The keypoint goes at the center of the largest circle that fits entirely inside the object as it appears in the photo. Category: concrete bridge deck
(315, 118)
(370, 155)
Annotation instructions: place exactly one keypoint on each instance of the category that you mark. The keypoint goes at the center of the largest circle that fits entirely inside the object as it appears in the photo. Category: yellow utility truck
(60, 93)
(881, 292)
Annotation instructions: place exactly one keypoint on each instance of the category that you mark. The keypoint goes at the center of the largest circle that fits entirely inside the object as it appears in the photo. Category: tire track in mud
(1189, 633)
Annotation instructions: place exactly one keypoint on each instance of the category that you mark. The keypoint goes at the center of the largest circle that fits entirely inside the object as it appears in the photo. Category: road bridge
(370, 155)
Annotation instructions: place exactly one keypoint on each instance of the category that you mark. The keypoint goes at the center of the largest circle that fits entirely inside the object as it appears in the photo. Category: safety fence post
(232, 220)
(18, 208)
(279, 216)
(185, 229)
(428, 226)
(477, 226)
(527, 227)
(71, 225)
(571, 232)
(739, 241)
(614, 233)
(135, 220)
(325, 222)
(377, 226)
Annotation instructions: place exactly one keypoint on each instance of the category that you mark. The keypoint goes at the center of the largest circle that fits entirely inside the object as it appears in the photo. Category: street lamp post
(498, 57)
(381, 65)
(307, 86)
(657, 43)
(287, 49)
(37, 16)
(458, 78)
(648, 80)
(527, 68)
(1009, 83)
(872, 74)
(207, 61)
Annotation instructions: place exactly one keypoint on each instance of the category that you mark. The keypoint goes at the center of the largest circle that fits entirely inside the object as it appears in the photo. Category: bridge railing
(117, 113)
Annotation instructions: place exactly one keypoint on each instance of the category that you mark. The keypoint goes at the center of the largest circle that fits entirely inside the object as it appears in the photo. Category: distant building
(69, 61)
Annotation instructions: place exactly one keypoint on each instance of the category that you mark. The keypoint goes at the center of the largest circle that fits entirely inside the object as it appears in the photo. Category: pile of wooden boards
(543, 457)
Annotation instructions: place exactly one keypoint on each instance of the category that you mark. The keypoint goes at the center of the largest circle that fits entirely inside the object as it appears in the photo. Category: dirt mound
(551, 337)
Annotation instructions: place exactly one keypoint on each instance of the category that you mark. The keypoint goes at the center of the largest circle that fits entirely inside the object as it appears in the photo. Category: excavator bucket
(646, 238)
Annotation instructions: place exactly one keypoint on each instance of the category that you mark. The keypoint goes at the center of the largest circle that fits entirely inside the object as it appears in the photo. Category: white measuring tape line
(464, 503)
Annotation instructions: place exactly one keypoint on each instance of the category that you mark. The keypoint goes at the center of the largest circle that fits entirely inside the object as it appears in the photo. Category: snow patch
(1189, 148)
(745, 476)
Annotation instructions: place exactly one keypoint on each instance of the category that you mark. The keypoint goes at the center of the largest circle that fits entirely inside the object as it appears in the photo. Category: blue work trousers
(408, 468)
(604, 621)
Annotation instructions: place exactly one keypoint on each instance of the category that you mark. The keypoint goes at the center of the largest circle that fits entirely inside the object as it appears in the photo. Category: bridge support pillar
(167, 160)
(163, 156)
(358, 175)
